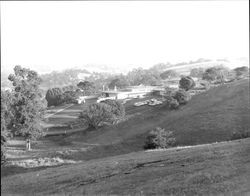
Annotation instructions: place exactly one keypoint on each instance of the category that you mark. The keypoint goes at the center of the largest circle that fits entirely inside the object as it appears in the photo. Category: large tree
(28, 105)
(97, 114)
(54, 96)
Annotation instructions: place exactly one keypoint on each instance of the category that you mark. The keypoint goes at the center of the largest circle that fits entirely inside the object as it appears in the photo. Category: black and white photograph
(125, 98)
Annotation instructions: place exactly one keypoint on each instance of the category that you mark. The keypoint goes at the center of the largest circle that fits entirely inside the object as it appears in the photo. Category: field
(111, 160)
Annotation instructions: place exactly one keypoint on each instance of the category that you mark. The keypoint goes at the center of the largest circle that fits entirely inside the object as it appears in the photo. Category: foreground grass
(220, 168)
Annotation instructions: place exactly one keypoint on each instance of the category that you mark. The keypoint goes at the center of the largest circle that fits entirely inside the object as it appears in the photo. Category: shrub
(182, 96)
(159, 138)
(171, 103)
(240, 135)
(186, 83)
(97, 114)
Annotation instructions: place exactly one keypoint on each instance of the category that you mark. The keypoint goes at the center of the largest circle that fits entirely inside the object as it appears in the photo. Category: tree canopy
(28, 105)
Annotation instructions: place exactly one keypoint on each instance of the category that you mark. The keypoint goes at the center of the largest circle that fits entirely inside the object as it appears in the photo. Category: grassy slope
(205, 170)
(209, 117)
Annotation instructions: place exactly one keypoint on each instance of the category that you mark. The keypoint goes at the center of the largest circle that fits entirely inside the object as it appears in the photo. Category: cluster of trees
(69, 94)
(23, 108)
(219, 73)
(97, 114)
(119, 82)
(64, 78)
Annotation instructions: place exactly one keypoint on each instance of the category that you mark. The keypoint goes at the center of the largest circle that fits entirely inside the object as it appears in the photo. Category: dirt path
(60, 110)
(60, 132)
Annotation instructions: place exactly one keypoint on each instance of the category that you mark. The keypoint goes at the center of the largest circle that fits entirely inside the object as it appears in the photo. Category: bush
(186, 83)
(97, 114)
(240, 135)
(159, 138)
(171, 103)
(182, 96)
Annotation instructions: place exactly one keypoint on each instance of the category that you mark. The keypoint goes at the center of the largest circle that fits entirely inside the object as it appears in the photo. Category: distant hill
(75, 74)
(184, 68)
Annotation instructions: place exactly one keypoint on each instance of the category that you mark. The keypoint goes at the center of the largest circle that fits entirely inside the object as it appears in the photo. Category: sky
(47, 36)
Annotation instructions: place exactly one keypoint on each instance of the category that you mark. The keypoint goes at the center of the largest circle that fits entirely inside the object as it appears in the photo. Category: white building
(130, 92)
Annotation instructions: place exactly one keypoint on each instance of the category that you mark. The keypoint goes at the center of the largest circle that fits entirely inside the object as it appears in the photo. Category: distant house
(130, 92)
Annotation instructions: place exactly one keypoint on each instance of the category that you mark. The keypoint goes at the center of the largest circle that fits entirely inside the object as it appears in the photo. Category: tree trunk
(28, 146)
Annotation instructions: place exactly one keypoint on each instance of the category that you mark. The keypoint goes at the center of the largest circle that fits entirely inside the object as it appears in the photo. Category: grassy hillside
(209, 117)
(213, 169)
